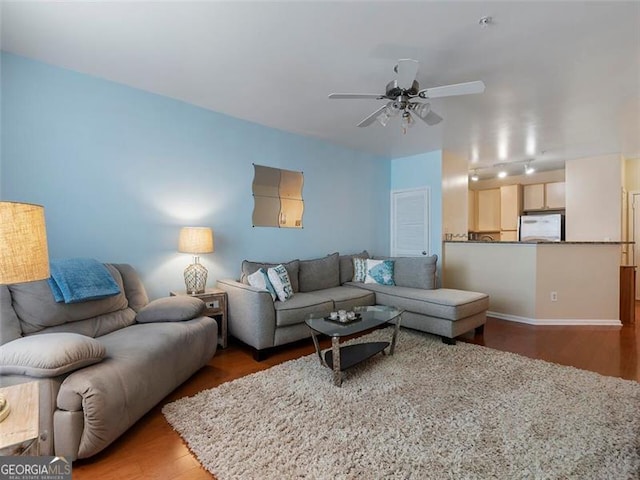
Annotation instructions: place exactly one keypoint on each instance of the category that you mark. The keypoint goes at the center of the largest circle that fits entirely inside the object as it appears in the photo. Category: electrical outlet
(554, 296)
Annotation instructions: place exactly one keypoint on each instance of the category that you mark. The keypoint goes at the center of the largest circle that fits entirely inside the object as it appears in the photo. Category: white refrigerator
(546, 228)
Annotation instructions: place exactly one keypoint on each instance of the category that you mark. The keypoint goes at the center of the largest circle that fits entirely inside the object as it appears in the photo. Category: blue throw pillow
(380, 272)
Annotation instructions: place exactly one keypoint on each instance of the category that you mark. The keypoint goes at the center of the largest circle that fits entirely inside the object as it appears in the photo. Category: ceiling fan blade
(407, 70)
(451, 90)
(371, 118)
(355, 95)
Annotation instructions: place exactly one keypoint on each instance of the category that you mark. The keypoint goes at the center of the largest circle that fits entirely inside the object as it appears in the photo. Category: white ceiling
(562, 78)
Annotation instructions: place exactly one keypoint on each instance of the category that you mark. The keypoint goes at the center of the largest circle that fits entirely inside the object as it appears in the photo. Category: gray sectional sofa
(325, 284)
(101, 364)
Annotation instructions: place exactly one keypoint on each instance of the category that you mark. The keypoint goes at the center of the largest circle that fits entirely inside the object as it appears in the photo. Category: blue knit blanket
(76, 280)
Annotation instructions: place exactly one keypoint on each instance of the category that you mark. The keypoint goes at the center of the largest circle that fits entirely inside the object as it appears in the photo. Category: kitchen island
(539, 283)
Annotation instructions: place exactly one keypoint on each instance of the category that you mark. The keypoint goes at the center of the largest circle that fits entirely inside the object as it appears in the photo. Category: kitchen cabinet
(533, 196)
(544, 196)
(509, 236)
(510, 206)
(488, 203)
(554, 195)
(472, 211)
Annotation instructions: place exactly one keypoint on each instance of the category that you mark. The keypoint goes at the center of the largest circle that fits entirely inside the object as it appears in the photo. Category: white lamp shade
(196, 240)
(24, 256)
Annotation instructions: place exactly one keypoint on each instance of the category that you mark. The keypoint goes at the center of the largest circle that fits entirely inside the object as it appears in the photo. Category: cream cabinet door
(488, 203)
(554, 195)
(510, 206)
(533, 197)
(472, 211)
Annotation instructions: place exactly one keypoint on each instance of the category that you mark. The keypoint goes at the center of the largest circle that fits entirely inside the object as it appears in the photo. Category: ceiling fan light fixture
(385, 115)
(407, 121)
(421, 109)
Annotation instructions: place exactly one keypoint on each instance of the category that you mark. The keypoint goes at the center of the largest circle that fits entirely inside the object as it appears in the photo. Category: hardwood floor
(152, 450)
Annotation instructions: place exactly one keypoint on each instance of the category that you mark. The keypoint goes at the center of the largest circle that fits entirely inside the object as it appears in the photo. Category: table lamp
(24, 255)
(195, 240)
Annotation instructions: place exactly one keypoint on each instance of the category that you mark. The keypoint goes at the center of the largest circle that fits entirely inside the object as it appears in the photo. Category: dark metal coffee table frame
(340, 358)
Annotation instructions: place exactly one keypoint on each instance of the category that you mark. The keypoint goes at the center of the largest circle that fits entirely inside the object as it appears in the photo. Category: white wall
(594, 198)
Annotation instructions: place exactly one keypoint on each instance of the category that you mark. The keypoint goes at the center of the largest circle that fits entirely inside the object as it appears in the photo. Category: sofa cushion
(171, 309)
(49, 354)
(414, 272)
(319, 273)
(299, 307)
(444, 303)
(346, 298)
(9, 323)
(248, 267)
(36, 308)
(379, 271)
(346, 265)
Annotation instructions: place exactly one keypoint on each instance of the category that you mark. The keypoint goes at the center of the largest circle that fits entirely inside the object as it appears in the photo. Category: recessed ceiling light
(502, 174)
(475, 177)
(528, 170)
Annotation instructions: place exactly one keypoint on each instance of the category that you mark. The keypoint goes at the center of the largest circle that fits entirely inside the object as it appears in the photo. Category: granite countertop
(539, 242)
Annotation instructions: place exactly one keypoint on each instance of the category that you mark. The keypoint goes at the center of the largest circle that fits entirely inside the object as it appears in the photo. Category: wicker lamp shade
(24, 255)
(195, 240)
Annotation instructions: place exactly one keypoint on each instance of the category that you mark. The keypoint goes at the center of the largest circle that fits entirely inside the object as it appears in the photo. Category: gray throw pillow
(346, 265)
(49, 354)
(320, 273)
(171, 309)
(414, 272)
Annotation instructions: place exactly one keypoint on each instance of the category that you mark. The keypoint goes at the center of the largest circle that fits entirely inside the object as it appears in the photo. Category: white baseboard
(556, 321)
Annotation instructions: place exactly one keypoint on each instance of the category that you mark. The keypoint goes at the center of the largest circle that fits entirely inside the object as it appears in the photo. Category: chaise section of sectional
(441, 311)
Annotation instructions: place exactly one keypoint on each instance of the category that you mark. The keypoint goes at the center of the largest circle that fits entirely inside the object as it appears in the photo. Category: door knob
(424, 253)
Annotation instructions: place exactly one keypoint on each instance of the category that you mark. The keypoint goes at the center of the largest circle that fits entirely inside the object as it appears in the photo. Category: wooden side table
(19, 432)
(216, 307)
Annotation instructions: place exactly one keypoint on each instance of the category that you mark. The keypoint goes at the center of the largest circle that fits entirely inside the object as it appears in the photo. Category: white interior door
(410, 222)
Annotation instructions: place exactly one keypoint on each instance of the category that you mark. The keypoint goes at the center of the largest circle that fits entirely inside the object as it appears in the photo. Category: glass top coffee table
(341, 358)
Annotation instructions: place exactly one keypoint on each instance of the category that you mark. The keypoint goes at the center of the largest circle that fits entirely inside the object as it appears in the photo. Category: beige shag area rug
(431, 411)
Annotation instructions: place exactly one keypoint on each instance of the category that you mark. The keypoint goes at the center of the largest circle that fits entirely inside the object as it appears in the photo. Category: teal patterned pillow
(280, 280)
(359, 269)
(380, 272)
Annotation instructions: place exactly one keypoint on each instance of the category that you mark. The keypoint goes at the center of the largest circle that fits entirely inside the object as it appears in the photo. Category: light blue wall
(423, 170)
(120, 170)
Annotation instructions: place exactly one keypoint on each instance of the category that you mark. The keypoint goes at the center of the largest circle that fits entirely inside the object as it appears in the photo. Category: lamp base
(195, 278)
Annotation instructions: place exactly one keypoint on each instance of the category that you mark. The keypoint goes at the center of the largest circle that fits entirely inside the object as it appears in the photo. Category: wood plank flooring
(151, 449)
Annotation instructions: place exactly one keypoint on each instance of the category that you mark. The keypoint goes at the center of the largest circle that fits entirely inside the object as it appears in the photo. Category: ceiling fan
(402, 94)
